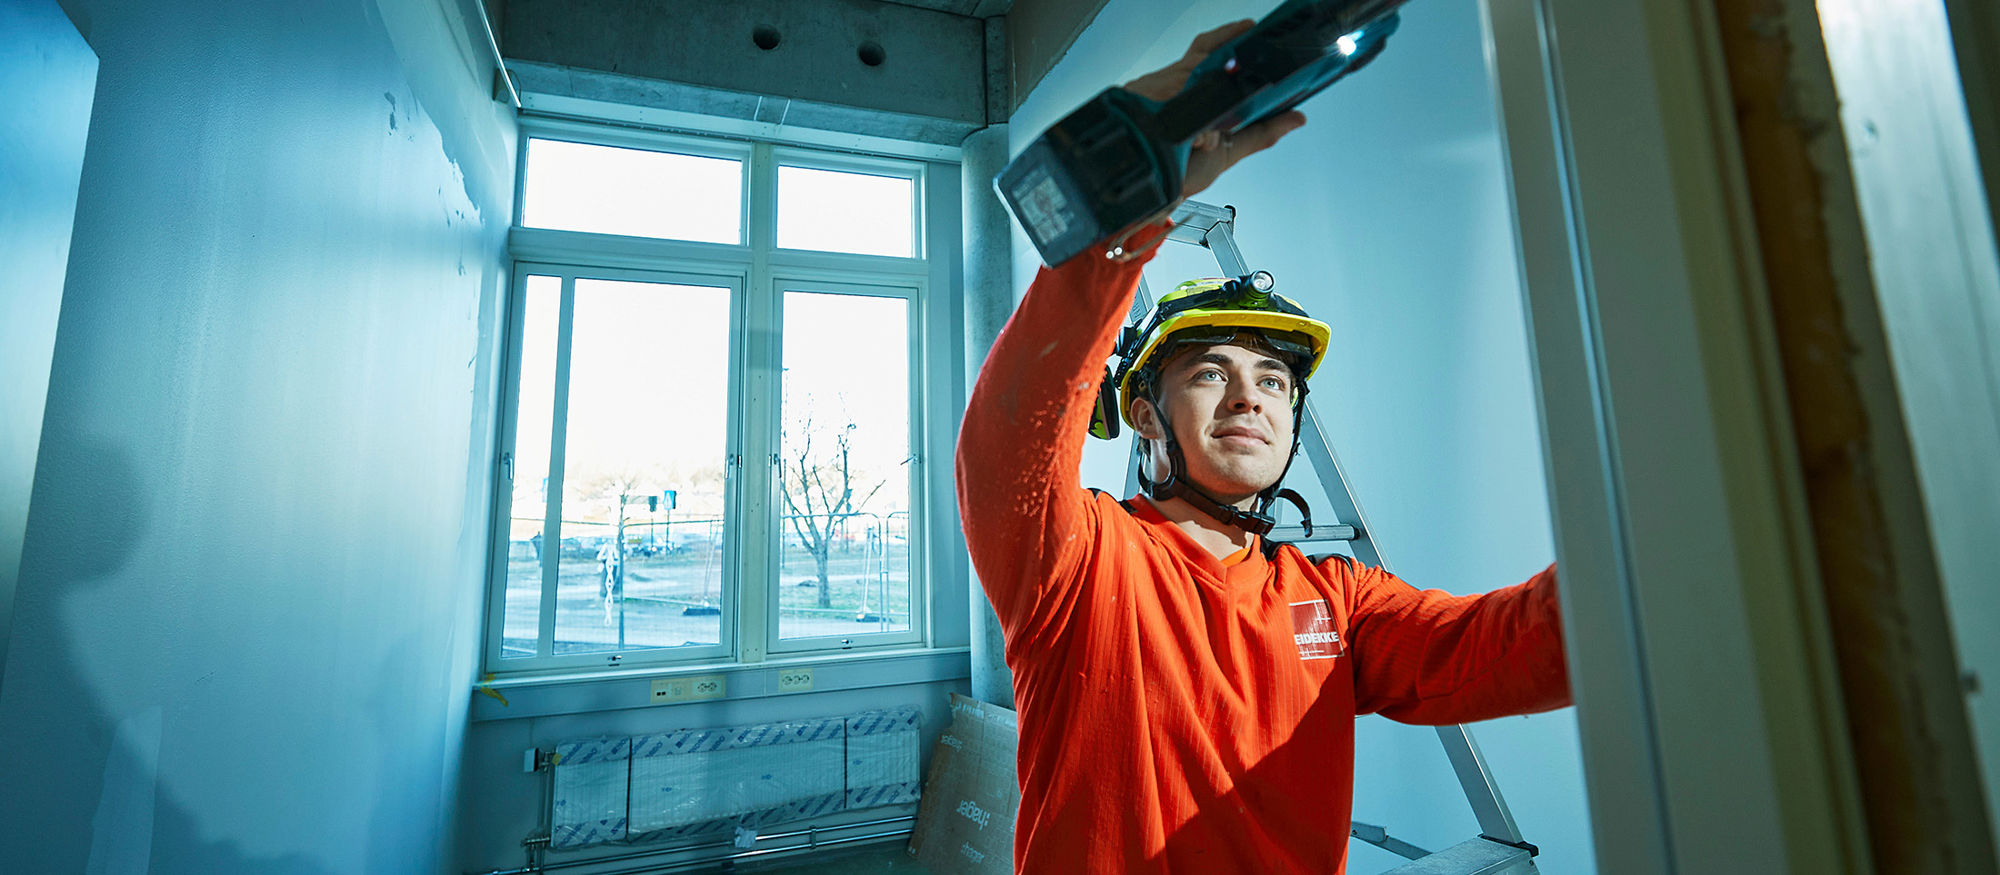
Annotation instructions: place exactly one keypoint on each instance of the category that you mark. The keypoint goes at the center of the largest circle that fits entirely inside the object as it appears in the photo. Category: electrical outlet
(708, 686)
(795, 680)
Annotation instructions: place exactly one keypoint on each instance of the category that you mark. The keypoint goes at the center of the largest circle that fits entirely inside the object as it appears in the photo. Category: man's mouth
(1243, 434)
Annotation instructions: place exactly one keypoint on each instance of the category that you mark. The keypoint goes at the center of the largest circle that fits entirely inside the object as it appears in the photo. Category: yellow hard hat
(1210, 310)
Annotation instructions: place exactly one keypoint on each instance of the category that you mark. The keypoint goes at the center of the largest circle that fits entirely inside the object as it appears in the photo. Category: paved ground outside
(660, 590)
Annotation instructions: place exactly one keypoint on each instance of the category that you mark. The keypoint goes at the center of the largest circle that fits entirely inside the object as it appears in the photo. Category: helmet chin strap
(1258, 521)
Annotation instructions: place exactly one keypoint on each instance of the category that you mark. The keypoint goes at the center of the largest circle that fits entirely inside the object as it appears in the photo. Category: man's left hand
(1214, 151)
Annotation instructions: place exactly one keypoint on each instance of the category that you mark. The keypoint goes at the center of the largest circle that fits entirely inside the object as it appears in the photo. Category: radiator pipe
(744, 855)
(811, 834)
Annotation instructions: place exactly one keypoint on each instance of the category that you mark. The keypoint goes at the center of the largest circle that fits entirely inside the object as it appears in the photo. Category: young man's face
(1230, 407)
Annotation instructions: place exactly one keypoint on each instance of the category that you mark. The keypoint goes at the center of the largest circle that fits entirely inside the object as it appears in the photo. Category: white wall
(1387, 215)
(49, 73)
(249, 603)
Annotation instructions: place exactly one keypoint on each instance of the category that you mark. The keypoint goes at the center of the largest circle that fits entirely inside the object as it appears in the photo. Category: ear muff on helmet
(1104, 415)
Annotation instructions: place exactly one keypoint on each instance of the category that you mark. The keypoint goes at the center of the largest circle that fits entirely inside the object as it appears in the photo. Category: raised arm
(1429, 657)
(1019, 447)
(1019, 494)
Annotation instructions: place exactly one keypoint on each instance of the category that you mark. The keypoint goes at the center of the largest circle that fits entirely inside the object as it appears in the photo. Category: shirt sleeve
(1028, 521)
(1432, 658)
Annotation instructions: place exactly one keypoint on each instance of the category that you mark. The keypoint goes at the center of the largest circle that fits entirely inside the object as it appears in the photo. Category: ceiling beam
(863, 54)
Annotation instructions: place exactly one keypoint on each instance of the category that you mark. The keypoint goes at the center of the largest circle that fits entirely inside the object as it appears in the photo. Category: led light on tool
(1263, 281)
(1347, 44)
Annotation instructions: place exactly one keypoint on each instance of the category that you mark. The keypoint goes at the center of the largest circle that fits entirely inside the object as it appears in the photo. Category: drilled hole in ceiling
(765, 36)
(871, 54)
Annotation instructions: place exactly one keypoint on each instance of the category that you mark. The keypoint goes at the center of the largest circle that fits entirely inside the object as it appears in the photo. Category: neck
(1213, 536)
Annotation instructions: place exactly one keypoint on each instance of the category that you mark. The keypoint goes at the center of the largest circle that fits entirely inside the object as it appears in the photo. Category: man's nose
(1241, 400)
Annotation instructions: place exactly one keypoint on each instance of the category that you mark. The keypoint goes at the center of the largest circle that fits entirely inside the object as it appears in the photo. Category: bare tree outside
(818, 484)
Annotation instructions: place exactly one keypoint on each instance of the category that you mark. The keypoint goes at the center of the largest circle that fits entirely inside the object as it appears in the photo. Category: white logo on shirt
(1313, 632)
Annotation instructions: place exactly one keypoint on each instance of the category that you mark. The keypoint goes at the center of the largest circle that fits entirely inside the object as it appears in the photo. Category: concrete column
(989, 300)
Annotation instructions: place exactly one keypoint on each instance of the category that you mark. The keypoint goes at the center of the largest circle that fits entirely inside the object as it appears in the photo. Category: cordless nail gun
(1119, 160)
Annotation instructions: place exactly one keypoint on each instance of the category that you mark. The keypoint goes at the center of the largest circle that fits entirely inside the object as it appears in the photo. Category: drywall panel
(248, 607)
(1387, 215)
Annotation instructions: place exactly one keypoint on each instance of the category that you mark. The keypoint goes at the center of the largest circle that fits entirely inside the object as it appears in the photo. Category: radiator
(691, 781)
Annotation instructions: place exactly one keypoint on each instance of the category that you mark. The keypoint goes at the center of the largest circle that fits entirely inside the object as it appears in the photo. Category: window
(840, 211)
(682, 309)
(633, 192)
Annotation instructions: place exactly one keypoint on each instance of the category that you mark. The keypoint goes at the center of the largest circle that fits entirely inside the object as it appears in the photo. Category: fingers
(1214, 39)
(1167, 81)
(1264, 134)
(1214, 153)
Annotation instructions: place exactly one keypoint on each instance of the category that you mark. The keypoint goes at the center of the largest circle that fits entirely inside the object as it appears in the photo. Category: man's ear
(1146, 420)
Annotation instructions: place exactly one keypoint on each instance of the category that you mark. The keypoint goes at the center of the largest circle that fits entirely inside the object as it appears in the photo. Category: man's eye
(1275, 384)
(1209, 374)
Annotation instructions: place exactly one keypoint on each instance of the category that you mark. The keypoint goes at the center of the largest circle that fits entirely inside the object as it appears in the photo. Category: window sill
(544, 695)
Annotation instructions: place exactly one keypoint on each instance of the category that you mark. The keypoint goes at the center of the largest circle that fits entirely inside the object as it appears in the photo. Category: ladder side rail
(1221, 242)
(1197, 218)
(1495, 820)
(1481, 791)
(1339, 493)
(1142, 301)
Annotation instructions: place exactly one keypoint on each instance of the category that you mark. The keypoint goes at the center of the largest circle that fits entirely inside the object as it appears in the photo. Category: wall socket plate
(795, 680)
(686, 689)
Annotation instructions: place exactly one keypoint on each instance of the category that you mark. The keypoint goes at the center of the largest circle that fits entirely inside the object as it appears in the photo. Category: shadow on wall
(136, 826)
(247, 612)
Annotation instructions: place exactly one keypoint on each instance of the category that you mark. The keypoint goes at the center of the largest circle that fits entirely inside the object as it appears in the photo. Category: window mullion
(505, 473)
(545, 635)
(756, 565)
(916, 527)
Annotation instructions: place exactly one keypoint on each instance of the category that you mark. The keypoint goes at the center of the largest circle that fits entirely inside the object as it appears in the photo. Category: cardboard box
(966, 821)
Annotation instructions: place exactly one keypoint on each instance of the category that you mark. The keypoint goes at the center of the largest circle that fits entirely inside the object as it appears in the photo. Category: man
(1187, 694)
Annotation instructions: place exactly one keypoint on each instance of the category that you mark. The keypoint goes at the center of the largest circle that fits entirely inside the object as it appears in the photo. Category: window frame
(645, 141)
(758, 274)
(786, 281)
(792, 156)
(567, 276)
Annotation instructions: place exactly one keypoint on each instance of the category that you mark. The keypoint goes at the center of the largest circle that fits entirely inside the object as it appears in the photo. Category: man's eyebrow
(1216, 358)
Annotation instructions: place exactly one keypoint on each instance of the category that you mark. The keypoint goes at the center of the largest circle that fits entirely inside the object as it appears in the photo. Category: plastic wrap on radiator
(691, 781)
(882, 758)
(696, 780)
(590, 802)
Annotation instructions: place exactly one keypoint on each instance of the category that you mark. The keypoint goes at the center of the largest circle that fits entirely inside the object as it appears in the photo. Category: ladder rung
(1479, 856)
(1321, 534)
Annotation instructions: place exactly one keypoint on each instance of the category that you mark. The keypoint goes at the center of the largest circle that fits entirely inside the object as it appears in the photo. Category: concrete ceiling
(922, 70)
(972, 8)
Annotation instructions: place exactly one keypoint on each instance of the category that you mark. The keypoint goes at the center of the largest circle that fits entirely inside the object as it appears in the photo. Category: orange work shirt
(1180, 712)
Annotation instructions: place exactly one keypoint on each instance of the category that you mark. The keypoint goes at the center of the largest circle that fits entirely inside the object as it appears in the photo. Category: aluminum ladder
(1499, 847)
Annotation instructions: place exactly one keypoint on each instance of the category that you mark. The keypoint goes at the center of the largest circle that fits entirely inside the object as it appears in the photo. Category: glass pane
(635, 192)
(533, 406)
(846, 212)
(642, 516)
(844, 509)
